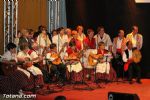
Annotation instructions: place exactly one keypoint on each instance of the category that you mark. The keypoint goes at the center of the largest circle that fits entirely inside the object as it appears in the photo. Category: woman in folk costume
(81, 35)
(69, 34)
(103, 66)
(25, 58)
(43, 41)
(74, 66)
(75, 39)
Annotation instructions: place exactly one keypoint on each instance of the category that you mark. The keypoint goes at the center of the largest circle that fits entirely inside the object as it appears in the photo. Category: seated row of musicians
(25, 74)
(74, 59)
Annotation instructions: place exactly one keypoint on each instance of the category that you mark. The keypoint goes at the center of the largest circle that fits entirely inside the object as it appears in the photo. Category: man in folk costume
(129, 57)
(135, 38)
(119, 45)
(101, 36)
(57, 68)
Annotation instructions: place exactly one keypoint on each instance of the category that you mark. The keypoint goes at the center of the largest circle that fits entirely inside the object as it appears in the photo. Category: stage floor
(72, 93)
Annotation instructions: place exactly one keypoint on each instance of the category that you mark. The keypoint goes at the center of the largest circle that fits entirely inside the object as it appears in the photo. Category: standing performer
(135, 38)
(43, 41)
(81, 35)
(119, 45)
(89, 42)
(60, 39)
(132, 57)
(78, 43)
(101, 36)
(68, 33)
(24, 38)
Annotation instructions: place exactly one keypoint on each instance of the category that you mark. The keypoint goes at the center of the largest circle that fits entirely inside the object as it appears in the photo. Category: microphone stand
(105, 77)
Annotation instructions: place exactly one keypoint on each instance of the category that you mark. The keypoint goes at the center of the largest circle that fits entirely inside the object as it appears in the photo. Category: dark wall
(113, 14)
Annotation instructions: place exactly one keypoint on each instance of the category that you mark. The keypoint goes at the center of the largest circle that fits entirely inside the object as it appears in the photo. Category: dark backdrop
(113, 14)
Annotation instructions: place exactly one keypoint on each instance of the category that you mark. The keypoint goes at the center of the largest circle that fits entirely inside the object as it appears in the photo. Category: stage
(100, 91)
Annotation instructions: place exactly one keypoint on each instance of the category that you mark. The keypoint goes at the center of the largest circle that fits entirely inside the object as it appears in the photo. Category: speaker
(122, 96)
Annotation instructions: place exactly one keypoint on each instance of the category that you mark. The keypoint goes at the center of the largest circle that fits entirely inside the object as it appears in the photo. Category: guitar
(93, 57)
(136, 58)
(56, 56)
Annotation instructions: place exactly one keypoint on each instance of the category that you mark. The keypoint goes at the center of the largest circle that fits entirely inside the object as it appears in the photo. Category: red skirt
(75, 77)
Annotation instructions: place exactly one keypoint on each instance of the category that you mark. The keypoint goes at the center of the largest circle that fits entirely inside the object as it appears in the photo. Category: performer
(103, 65)
(101, 36)
(43, 41)
(135, 38)
(10, 54)
(77, 41)
(81, 35)
(57, 67)
(68, 33)
(119, 45)
(20, 78)
(73, 62)
(60, 39)
(89, 41)
(35, 57)
(132, 57)
(25, 58)
(24, 38)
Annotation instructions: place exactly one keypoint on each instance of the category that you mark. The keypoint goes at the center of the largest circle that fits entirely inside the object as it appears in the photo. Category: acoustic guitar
(93, 57)
(136, 58)
(56, 56)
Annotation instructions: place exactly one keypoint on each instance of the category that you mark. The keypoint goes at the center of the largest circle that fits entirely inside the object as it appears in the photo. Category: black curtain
(113, 15)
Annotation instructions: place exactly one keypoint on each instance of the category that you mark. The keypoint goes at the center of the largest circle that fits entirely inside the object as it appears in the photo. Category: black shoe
(139, 82)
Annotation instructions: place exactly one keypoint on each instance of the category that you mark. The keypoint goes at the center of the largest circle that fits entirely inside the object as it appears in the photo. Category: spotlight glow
(142, 1)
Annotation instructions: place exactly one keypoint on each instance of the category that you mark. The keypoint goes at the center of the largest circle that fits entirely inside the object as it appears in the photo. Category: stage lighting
(142, 1)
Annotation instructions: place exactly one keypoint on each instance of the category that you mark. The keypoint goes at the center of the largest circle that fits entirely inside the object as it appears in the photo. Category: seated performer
(24, 57)
(103, 66)
(132, 58)
(35, 57)
(57, 68)
(73, 62)
(11, 52)
(23, 78)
